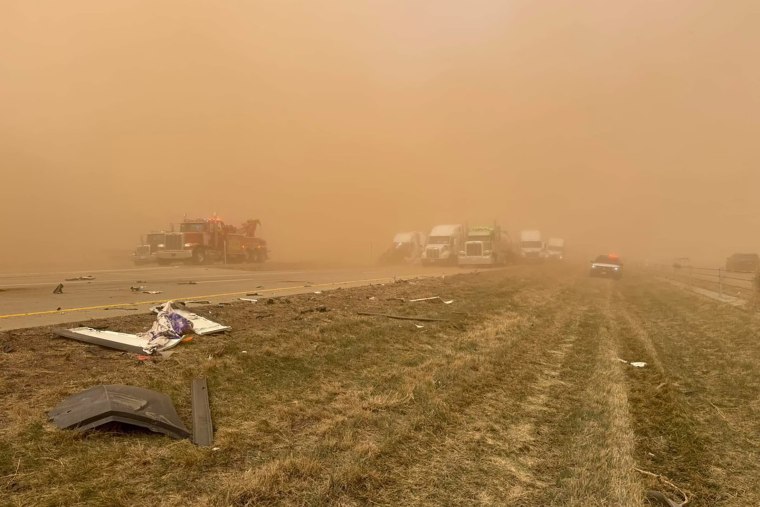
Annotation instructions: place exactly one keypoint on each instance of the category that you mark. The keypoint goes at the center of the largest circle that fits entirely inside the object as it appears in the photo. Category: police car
(607, 266)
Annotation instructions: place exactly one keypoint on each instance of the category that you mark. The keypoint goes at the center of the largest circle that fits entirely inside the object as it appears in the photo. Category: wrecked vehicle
(406, 248)
(200, 241)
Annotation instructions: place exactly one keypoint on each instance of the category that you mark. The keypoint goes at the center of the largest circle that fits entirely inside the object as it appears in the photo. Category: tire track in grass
(487, 452)
(594, 458)
(682, 431)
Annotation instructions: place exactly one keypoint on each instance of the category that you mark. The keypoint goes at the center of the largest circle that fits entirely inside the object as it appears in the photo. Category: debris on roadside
(167, 331)
(152, 292)
(252, 294)
(203, 428)
(433, 298)
(320, 309)
(120, 308)
(635, 364)
(198, 302)
(317, 292)
(80, 278)
(58, 289)
(189, 282)
(201, 325)
(130, 405)
(250, 300)
(137, 288)
(401, 317)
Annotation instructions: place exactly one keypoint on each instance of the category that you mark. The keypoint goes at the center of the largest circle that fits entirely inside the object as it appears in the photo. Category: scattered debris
(259, 286)
(8, 348)
(201, 325)
(170, 326)
(111, 339)
(635, 364)
(104, 404)
(80, 278)
(434, 298)
(317, 292)
(198, 302)
(152, 292)
(372, 298)
(120, 308)
(137, 288)
(270, 301)
(659, 497)
(419, 326)
(58, 290)
(141, 281)
(253, 294)
(203, 429)
(189, 282)
(401, 317)
(264, 315)
(320, 309)
(251, 300)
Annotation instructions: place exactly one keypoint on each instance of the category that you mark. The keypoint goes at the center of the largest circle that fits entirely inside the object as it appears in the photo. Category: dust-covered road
(27, 299)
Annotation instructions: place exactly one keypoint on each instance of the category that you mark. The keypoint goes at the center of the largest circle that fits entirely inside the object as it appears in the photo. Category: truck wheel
(199, 256)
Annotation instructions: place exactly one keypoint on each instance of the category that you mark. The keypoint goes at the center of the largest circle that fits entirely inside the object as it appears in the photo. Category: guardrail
(729, 283)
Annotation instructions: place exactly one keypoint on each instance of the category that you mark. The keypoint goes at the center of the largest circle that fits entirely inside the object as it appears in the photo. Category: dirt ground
(520, 397)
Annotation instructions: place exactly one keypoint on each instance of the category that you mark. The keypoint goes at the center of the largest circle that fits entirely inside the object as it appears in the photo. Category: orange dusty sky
(627, 125)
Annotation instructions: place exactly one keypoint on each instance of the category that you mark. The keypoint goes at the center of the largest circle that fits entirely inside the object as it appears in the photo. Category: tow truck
(205, 240)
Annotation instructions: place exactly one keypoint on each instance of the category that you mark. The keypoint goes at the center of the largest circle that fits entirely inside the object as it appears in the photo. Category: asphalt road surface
(27, 299)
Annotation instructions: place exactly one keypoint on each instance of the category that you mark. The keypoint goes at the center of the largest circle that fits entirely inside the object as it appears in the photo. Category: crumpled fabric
(167, 330)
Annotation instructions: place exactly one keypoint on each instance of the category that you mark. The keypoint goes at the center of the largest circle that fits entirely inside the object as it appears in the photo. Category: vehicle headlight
(161, 245)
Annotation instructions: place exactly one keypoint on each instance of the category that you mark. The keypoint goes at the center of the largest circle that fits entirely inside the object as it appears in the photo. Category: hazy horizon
(624, 126)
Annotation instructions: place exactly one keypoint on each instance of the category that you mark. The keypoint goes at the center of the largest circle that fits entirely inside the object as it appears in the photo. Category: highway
(27, 299)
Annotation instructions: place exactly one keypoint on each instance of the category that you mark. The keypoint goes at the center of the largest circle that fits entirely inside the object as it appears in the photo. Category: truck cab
(149, 247)
(485, 245)
(443, 245)
(199, 241)
(532, 247)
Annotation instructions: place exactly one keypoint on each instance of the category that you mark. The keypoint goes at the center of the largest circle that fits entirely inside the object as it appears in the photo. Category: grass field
(519, 398)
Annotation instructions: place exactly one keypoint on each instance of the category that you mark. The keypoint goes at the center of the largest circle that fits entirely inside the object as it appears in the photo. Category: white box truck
(443, 244)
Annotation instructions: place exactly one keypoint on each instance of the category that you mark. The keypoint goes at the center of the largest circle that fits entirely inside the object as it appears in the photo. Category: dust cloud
(628, 126)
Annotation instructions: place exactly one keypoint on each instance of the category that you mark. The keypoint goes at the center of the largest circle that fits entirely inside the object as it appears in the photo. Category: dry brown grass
(517, 400)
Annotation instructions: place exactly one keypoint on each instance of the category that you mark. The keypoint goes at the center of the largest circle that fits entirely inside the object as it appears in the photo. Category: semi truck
(486, 245)
(204, 240)
(532, 246)
(443, 244)
(555, 249)
(147, 251)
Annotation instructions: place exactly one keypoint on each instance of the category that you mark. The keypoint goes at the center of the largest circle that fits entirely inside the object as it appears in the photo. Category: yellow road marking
(100, 307)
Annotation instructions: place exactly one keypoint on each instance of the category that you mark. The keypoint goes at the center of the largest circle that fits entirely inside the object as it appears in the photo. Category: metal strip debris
(203, 428)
